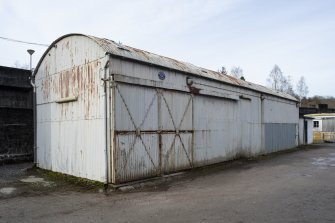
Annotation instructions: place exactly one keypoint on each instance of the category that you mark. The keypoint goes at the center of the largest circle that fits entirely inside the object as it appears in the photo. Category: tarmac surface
(295, 186)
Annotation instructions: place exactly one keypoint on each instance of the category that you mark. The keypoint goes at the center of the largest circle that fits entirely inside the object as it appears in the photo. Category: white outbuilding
(113, 113)
(323, 127)
(305, 130)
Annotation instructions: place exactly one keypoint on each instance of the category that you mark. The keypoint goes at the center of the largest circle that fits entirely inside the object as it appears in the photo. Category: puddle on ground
(37, 180)
(7, 190)
(325, 162)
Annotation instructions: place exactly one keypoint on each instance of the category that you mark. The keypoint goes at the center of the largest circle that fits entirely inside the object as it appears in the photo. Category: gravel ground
(11, 172)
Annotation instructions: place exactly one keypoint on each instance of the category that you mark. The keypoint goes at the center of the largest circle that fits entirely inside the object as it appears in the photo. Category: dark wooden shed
(16, 114)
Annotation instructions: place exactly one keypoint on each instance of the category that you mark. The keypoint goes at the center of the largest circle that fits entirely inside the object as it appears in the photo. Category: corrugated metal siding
(70, 136)
(328, 125)
(160, 131)
(176, 126)
(136, 108)
(216, 130)
(225, 129)
(140, 74)
(136, 157)
(161, 126)
(280, 136)
(280, 111)
(136, 123)
(250, 126)
(174, 118)
(177, 152)
(153, 132)
(218, 126)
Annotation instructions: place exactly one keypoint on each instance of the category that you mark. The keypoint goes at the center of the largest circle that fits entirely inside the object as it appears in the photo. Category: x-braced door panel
(153, 132)
(177, 131)
(136, 124)
(176, 152)
(138, 156)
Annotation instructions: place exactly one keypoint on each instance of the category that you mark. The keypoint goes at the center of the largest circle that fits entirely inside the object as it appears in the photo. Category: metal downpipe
(106, 79)
(32, 82)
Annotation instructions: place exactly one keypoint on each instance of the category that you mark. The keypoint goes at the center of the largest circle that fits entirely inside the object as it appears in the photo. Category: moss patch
(67, 180)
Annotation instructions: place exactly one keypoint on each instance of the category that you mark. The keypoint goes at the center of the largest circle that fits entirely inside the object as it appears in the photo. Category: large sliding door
(153, 132)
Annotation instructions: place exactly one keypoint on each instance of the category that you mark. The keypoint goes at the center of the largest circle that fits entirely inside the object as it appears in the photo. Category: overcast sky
(298, 35)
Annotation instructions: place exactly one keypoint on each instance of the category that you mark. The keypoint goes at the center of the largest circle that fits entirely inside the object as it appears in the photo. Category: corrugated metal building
(16, 115)
(323, 127)
(114, 113)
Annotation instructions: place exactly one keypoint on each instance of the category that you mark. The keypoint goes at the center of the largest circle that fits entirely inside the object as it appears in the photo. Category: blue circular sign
(161, 75)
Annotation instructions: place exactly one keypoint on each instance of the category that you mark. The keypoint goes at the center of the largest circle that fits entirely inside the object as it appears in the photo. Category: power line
(19, 41)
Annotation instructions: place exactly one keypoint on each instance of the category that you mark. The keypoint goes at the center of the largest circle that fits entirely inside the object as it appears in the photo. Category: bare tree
(287, 86)
(279, 82)
(223, 71)
(275, 78)
(236, 72)
(302, 88)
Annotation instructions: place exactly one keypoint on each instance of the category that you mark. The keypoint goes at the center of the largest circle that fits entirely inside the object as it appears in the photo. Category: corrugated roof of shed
(132, 53)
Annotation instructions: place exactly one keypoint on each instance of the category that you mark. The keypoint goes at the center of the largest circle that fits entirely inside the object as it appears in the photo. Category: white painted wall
(70, 136)
(317, 129)
(302, 131)
(309, 131)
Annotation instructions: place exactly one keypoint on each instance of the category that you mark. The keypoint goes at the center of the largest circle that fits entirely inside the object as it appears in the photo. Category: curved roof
(123, 51)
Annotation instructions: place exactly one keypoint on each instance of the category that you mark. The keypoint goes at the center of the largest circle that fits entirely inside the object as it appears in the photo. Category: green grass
(61, 178)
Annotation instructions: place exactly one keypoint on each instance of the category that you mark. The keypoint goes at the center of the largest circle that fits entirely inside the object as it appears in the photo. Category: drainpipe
(32, 82)
(262, 124)
(106, 79)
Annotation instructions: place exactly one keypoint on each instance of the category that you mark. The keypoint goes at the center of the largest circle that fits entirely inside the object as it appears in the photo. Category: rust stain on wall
(46, 84)
(78, 81)
(194, 90)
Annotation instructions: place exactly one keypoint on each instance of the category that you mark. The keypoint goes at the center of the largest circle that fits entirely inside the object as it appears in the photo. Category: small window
(316, 124)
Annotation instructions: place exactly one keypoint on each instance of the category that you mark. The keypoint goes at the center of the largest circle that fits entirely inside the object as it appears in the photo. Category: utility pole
(32, 82)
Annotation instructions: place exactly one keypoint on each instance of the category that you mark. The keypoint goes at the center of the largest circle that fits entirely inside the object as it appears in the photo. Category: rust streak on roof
(116, 49)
